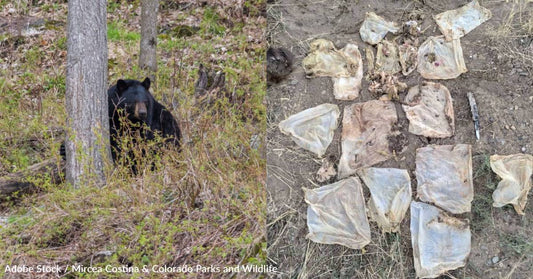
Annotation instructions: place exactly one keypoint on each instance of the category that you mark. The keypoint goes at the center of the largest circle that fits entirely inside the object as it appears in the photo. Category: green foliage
(116, 32)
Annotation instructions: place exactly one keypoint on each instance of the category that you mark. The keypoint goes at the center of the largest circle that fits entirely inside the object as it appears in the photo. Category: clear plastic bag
(454, 24)
(336, 214)
(515, 171)
(429, 109)
(374, 28)
(440, 242)
(312, 129)
(440, 59)
(390, 191)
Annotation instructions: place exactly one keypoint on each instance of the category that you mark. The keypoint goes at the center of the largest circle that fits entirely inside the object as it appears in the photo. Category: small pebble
(523, 149)
(515, 107)
(506, 127)
(495, 259)
(513, 128)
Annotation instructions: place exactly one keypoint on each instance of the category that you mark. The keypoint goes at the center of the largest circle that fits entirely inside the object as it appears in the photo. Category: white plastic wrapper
(374, 28)
(440, 242)
(312, 129)
(515, 171)
(429, 109)
(444, 176)
(365, 128)
(336, 214)
(390, 191)
(345, 66)
(387, 58)
(440, 59)
(456, 23)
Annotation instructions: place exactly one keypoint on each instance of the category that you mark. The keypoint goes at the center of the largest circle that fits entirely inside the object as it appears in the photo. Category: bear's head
(135, 99)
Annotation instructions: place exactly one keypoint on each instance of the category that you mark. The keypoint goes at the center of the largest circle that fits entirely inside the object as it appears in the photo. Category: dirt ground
(499, 58)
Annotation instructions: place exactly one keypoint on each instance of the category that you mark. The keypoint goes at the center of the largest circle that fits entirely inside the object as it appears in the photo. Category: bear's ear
(121, 86)
(146, 83)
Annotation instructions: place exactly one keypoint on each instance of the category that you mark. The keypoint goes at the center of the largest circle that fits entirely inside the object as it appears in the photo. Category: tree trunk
(147, 57)
(87, 142)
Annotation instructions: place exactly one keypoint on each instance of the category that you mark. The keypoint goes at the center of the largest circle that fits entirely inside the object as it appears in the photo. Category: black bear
(132, 99)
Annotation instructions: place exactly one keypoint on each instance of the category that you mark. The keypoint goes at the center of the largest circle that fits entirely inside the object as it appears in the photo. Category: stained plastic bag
(336, 214)
(440, 242)
(456, 23)
(444, 176)
(345, 66)
(374, 28)
(390, 198)
(312, 129)
(439, 59)
(408, 58)
(387, 58)
(429, 109)
(365, 128)
(515, 171)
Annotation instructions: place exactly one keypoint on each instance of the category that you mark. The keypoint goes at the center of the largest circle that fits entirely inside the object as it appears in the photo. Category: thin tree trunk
(87, 142)
(147, 57)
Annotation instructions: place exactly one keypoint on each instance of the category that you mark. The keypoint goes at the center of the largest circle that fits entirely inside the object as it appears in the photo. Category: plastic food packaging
(429, 109)
(387, 58)
(444, 176)
(515, 171)
(345, 66)
(312, 129)
(454, 24)
(365, 130)
(374, 28)
(440, 242)
(336, 214)
(440, 59)
(390, 191)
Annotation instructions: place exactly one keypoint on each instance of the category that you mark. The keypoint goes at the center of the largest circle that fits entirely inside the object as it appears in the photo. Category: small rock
(515, 107)
(513, 128)
(495, 259)
(11, 11)
(524, 149)
(506, 127)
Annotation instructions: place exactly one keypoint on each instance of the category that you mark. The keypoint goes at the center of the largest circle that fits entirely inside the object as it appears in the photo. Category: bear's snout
(140, 111)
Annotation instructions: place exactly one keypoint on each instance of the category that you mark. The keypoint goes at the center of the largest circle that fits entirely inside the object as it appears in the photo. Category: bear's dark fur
(133, 99)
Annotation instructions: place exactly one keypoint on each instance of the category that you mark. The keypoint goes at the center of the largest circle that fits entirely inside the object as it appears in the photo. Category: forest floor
(202, 206)
(499, 58)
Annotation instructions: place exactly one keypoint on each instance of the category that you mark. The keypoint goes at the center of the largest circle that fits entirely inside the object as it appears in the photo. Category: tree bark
(147, 57)
(87, 141)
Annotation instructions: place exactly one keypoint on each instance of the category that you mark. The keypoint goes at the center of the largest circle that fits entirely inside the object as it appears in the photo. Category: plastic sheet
(444, 176)
(390, 191)
(345, 66)
(387, 58)
(365, 128)
(456, 23)
(408, 58)
(515, 171)
(374, 28)
(336, 214)
(312, 129)
(440, 242)
(429, 109)
(439, 59)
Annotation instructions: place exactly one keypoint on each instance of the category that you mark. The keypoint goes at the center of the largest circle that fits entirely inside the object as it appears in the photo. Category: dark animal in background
(134, 99)
(279, 63)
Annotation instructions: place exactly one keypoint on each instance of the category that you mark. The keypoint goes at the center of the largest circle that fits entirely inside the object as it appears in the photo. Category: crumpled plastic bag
(454, 24)
(515, 171)
(365, 128)
(440, 59)
(345, 66)
(313, 128)
(374, 28)
(408, 58)
(440, 242)
(336, 214)
(390, 191)
(429, 109)
(444, 176)
(387, 58)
